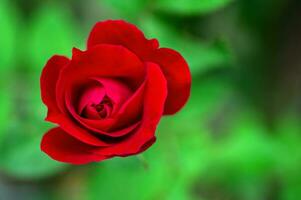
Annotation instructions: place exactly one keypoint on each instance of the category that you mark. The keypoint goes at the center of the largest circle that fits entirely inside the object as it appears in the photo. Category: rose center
(104, 108)
(101, 110)
(101, 98)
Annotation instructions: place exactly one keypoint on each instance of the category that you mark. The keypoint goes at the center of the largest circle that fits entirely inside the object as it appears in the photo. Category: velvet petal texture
(131, 110)
(62, 147)
(77, 131)
(48, 81)
(119, 32)
(117, 91)
(152, 112)
(92, 95)
(178, 77)
(101, 127)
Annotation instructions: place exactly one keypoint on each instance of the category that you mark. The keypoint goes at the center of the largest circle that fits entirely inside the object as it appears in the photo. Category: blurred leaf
(8, 27)
(200, 56)
(289, 155)
(52, 31)
(190, 7)
(180, 191)
(21, 156)
(5, 114)
(129, 9)
(242, 162)
(191, 143)
(292, 189)
(208, 96)
(127, 178)
(26, 161)
(249, 150)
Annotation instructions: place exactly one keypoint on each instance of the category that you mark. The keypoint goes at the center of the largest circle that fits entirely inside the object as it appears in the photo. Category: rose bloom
(108, 100)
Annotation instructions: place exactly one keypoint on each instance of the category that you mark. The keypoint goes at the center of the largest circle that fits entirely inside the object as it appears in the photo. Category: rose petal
(152, 112)
(147, 144)
(178, 78)
(109, 61)
(119, 32)
(93, 94)
(89, 112)
(131, 110)
(62, 147)
(102, 126)
(127, 118)
(117, 91)
(48, 81)
(75, 130)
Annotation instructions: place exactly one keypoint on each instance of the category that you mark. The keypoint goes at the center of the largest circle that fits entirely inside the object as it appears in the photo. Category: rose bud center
(102, 98)
(104, 108)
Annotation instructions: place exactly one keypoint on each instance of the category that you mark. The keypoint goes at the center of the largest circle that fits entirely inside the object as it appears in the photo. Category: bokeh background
(238, 138)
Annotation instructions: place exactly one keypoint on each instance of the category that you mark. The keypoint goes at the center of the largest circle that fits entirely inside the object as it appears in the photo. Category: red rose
(108, 99)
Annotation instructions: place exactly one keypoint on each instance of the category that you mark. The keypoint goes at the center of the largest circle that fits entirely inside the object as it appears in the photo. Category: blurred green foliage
(238, 137)
(8, 40)
(201, 56)
(190, 7)
(54, 23)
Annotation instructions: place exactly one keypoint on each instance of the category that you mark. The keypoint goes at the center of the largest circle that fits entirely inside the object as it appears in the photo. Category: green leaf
(288, 130)
(21, 156)
(26, 161)
(242, 161)
(126, 9)
(201, 56)
(249, 149)
(52, 31)
(288, 139)
(190, 7)
(8, 27)
(5, 114)
(208, 97)
(127, 178)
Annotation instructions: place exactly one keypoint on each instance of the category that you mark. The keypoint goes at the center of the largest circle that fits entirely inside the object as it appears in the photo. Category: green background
(238, 137)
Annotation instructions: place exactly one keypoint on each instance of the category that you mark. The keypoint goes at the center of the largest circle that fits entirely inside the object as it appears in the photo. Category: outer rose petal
(76, 131)
(119, 32)
(153, 110)
(48, 81)
(62, 147)
(178, 78)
